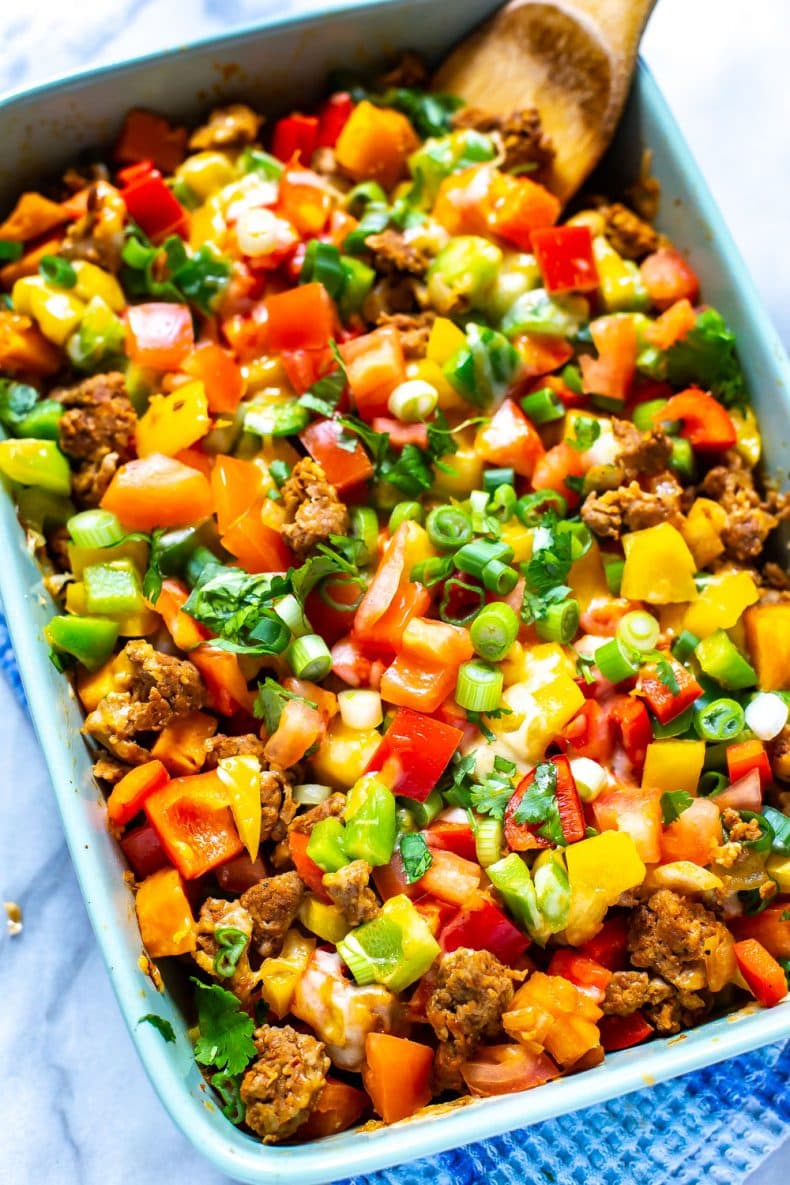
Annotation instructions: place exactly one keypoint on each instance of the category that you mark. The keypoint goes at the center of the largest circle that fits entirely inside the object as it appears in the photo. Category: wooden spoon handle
(621, 22)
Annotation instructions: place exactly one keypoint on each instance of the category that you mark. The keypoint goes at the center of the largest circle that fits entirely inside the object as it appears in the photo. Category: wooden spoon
(572, 59)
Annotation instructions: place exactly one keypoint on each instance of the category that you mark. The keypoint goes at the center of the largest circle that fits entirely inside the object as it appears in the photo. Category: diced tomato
(522, 837)
(665, 703)
(304, 201)
(505, 1069)
(589, 976)
(452, 837)
(763, 974)
(392, 599)
(451, 877)
(375, 365)
(143, 848)
(332, 118)
(510, 439)
(299, 728)
(308, 870)
(746, 756)
(220, 374)
(295, 136)
(390, 880)
(771, 928)
(565, 258)
(706, 425)
(631, 718)
(482, 926)
(541, 354)
(668, 277)
(334, 620)
(414, 753)
(636, 811)
(589, 733)
(401, 434)
(152, 205)
(672, 326)
(159, 335)
(609, 375)
(306, 367)
(621, 1032)
(349, 661)
(555, 466)
(744, 795)
(609, 946)
(694, 835)
(300, 318)
(344, 468)
(240, 873)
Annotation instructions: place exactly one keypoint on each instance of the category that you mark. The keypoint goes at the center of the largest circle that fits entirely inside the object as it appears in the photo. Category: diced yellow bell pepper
(206, 172)
(56, 310)
(702, 530)
(431, 372)
(280, 976)
(587, 578)
(779, 868)
(673, 765)
(241, 777)
(327, 921)
(135, 550)
(445, 340)
(173, 422)
(95, 281)
(768, 641)
(537, 716)
(75, 598)
(659, 568)
(599, 870)
(344, 754)
(519, 538)
(207, 225)
(164, 914)
(748, 441)
(465, 474)
(721, 603)
(672, 617)
(621, 285)
(92, 686)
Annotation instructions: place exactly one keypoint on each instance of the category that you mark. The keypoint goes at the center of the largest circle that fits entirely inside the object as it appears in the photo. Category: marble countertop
(76, 1106)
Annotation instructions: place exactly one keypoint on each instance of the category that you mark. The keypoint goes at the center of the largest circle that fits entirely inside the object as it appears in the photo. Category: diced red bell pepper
(308, 870)
(154, 207)
(193, 820)
(295, 135)
(143, 848)
(668, 277)
(344, 468)
(159, 335)
(664, 703)
(375, 365)
(483, 926)
(694, 836)
(589, 976)
(746, 756)
(414, 753)
(609, 946)
(621, 1032)
(452, 837)
(631, 718)
(763, 974)
(565, 258)
(589, 733)
(609, 375)
(300, 318)
(522, 837)
(706, 425)
(306, 367)
(332, 118)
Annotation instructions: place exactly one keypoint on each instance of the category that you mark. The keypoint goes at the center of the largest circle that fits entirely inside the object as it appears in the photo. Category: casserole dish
(79, 113)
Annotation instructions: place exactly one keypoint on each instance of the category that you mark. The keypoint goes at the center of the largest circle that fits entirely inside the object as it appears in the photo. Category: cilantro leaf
(237, 608)
(416, 855)
(584, 665)
(495, 714)
(411, 468)
(491, 796)
(456, 785)
(666, 674)
(706, 356)
(586, 431)
(673, 804)
(324, 395)
(431, 114)
(271, 700)
(539, 806)
(152, 581)
(160, 1024)
(225, 1039)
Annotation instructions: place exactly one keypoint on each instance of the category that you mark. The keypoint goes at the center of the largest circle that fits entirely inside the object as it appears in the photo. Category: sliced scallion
(310, 658)
(479, 687)
(494, 631)
(95, 528)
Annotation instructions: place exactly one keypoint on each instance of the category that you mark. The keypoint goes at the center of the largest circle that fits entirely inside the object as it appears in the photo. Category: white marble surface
(76, 1108)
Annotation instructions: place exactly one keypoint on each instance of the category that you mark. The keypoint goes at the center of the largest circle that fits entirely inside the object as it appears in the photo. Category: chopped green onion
(712, 782)
(613, 572)
(448, 528)
(42, 422)
(531, 508)
(645, 413)
(572, 378)
(365, 527)
(310, 658)
(616, 661)
(289, 610)
(581, 539)
(639, 630)
(676, 727)
(405, 512)
(322, 265)
(10, 251)
(780, 825)
(282, 419)
(478, 505)
(681, 459)
(720, 658)
(474, 557)
(489, 836)
(494, 630)
(479, 687)
(543, 406)
(57, 271)
(720, 720)
(765, 839)
(95, 528)
(499, 578)
(364, 195)
(502, 503)
(559, 623)
(590, 777)
(358, 279)
(280, 471)
(413, 401)
(432, 571)
(231, 944)
(310, 793)
(684, 645)
(494, 478)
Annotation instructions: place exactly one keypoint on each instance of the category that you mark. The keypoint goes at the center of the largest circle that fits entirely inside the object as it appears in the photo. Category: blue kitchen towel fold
(715, 1125)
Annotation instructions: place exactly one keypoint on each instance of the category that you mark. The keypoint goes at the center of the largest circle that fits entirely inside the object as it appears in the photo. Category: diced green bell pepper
(482, 370)
(113, 589)
(720, 658)
(357, 283)
(462, 273)
(88, 639)
(512, 880)
(326, 845)
(36, 463)
(42, 422)
(622, 288)
(395, 949)
(440, 156)
(552, 889)
(518, 274)
(98, 339)
(371, 821)
(537, 312)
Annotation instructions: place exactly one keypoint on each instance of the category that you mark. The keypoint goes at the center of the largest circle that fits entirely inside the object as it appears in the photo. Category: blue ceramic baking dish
(283, 64)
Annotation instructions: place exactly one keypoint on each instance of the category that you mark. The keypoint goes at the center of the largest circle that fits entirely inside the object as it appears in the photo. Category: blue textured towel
(715, 1125)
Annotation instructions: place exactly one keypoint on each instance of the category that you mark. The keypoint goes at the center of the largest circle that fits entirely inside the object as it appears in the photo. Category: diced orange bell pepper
(705, 423)
(391, 599)
(149, 137)
(235, 486)
(257, 547)
(375, 143)
(768, 641)
(300, 318)
(23, 348)
(127, 796)
(746, 756)
(183, 629)
(28, 264)
(397, 1075)
(763, 974)
(426, 638)
(304, 200)
(517, 206)
(159, 335)
(181, 745)
(552, 469)
(158, 491)
(375, 365)
(672, 326)
(339, 1107)
(193, 820)
(419, 683)
(610, 374)
(299, 728)
(33, 215)
(164, 915)
(771, 928)
(510, 439)
(220, 374)
(343, 468)
(224, 680)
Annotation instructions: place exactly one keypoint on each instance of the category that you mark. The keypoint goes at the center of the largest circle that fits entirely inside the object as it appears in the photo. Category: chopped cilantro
(324, 395)
(170, 272)
(584, 665)
(225, 1039)
(160, 1024)
(667, 676)
(456, 784)
(539, 804)
(477, 719)
(705, 356)
(673, 804)
(415, 854)
(237, 608)
(271, 700)
(431, 114)
(493, 794)
(409, 469)
(152, 581)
